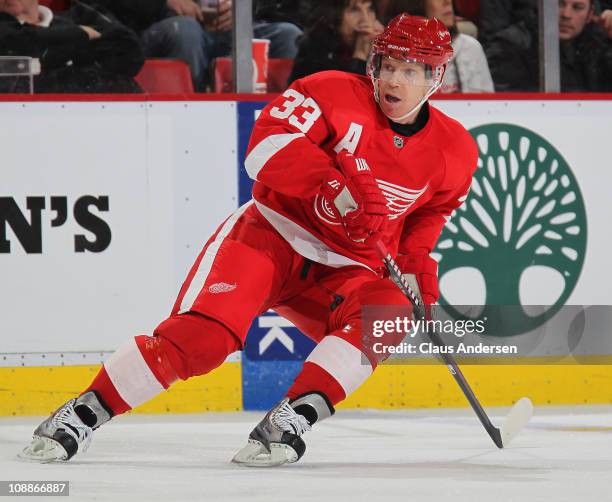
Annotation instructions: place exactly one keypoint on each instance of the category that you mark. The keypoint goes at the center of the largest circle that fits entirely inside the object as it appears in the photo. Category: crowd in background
(101, 45)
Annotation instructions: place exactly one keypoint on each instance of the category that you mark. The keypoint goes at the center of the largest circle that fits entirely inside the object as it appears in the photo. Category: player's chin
(393, 109)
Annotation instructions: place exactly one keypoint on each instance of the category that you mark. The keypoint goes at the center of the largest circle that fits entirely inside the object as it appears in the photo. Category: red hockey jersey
(425, 177)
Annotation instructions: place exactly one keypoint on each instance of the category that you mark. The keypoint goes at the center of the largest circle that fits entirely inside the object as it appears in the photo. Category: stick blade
(518, 417)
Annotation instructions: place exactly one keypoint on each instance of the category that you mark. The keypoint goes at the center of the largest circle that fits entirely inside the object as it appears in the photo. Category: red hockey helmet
(415, 38)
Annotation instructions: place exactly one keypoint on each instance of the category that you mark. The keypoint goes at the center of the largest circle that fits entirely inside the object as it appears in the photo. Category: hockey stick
(522, 410)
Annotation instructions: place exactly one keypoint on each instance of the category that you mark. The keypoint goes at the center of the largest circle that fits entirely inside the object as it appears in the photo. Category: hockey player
(339, 161)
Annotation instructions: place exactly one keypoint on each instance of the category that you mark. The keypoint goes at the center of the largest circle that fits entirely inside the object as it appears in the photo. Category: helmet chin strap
(414, 109)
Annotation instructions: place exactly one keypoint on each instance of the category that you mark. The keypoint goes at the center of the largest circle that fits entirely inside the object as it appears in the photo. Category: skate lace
(66, 416)
(286, 419)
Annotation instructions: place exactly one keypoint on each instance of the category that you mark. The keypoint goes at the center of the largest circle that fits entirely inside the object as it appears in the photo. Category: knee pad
(189, 344)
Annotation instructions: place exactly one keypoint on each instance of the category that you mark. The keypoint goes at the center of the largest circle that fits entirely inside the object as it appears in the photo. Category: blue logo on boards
(273, 338)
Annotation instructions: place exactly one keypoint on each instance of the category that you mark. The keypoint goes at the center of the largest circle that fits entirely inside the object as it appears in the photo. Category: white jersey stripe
(303, 242)
(345, 362)
(131, 375)
(199, 278)
(265, 150)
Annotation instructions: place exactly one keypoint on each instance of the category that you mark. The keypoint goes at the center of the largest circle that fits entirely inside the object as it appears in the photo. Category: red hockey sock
(154, 351)
(193, 345)
(313, 378)
(108, 393)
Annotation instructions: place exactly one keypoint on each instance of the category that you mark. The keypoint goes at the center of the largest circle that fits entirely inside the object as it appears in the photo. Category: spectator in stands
(177, 29)
(605, 18)
(464, 23)
(167, 29)
(339, 38)
(585, 50)
(267, 24)
(83, 50)
(497, 16)
(284, 11)
(468, 71)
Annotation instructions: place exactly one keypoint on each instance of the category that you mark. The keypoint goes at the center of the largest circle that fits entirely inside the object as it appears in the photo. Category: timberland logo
(221, 287)
(520, 238)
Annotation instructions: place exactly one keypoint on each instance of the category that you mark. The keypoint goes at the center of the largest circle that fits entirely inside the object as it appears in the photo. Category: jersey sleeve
(285, 152)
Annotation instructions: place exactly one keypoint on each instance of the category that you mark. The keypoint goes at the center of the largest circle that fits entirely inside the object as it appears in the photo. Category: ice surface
(563, 454)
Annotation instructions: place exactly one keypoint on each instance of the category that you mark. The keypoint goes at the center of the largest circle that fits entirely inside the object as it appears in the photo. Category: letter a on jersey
(351, 139)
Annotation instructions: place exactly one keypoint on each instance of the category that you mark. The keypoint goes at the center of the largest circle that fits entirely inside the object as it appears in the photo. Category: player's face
(441, 9)
(401, 85)
(573, 16)
(357, 17)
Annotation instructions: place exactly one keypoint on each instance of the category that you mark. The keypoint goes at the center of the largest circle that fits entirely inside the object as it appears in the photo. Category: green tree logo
(524, 212)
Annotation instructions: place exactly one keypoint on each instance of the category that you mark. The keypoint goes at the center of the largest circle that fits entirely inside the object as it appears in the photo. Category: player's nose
(394, 79)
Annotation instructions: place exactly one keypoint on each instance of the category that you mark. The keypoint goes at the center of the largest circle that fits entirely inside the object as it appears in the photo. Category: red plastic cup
(261, 48)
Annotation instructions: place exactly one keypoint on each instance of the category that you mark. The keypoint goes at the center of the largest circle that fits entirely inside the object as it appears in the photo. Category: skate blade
(255, 454)
(518, 417)
(43, 450)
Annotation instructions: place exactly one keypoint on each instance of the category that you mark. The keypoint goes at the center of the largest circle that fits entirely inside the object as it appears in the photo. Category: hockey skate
(276, 440)
(67, 431)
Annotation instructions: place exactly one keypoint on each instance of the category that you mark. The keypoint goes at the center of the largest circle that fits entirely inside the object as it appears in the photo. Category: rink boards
(105, 205)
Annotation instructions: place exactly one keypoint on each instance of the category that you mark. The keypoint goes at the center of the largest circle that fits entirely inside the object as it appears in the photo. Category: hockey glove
(353, 194)
(421, 273)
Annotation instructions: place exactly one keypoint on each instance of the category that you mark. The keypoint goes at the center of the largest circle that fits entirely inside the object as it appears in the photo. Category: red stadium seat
(223, 74)
(165, 76)
(55, 5)
(279, 71)
(469, 9)
(278, 74)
